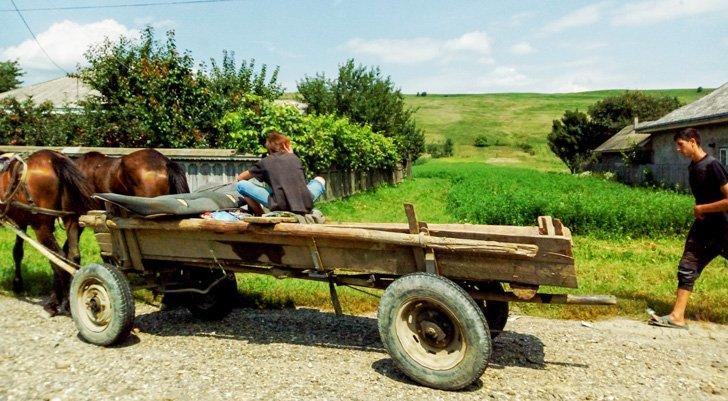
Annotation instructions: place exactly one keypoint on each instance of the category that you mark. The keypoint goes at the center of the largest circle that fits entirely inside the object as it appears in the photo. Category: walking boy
(708, 236)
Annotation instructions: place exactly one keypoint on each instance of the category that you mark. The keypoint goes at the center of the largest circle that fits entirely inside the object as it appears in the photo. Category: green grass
(507, 120)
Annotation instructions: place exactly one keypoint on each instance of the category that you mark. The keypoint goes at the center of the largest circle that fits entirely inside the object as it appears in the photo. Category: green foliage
(498, 195)
(322, 142)
(25, 123)
(366, 97)
(572, 138)
(481, 141)
(230, 84)
(10, 73)
(437, 150)
(613, 113)
(527, 148)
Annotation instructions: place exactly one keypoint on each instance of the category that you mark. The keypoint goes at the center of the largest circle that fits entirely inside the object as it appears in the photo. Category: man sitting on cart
(285, 186)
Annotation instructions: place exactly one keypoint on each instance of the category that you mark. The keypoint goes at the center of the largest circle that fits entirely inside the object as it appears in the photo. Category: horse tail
(74, 184)
(177, 178)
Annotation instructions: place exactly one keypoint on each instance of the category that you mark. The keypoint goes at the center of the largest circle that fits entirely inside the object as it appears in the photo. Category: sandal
(665, 321)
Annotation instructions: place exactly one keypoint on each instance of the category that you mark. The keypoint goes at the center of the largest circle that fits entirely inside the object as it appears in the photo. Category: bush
(27, 124)
(527, 148)
(366, 97)
(481, 141)
(438, 150)
(323, 142)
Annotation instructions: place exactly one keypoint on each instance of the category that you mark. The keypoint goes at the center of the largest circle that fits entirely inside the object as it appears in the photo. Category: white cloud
(411, 51)
(65, 42)
(503, 77)
(583, 16)
(522, 48)
(654, 11)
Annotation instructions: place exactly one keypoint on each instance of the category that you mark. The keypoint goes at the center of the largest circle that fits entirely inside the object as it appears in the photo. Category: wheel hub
(95, 305)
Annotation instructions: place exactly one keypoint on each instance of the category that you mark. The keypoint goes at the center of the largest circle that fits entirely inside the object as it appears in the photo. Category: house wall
(671, 168)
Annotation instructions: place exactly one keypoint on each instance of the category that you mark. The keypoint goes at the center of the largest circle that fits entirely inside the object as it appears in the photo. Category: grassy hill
(508, 120)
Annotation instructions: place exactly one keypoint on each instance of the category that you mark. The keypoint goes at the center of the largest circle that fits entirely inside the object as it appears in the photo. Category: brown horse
(144, 172)
(51, 181)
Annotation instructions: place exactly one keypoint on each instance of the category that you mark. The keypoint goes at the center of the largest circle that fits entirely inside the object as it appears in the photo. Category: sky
(433, 46)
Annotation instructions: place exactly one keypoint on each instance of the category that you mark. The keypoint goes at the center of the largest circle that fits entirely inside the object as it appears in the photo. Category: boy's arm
(715, 207)
(245, 175)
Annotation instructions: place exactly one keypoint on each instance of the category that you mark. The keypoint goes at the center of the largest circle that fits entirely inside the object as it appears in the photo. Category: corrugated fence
(206, 167)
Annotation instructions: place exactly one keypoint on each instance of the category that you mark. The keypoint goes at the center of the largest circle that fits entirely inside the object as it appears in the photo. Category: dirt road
(308, 354)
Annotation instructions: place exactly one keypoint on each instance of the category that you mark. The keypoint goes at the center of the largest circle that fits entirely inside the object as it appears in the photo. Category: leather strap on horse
(18, 181)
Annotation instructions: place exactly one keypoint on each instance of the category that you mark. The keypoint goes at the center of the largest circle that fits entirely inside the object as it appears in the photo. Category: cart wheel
(217, 303)
(495, 312)
(434, 331)
(101, 304)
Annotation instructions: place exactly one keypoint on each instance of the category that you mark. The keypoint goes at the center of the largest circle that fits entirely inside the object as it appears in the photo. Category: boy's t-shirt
(284, 173)
(707, 176)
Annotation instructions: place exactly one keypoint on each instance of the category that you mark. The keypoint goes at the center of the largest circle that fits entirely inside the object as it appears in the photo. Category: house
(65, 93)
(659, 162)
(611, 155)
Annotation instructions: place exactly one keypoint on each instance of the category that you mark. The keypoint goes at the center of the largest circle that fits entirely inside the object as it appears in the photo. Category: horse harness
(19, 182)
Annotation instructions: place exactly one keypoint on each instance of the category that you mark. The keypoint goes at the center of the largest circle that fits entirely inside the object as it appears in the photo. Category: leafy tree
(570, 139)
(25, 123)
(149, 95)
(230, 83)
(613, 113)
(576, 135)
(10, 73)
(365, 96)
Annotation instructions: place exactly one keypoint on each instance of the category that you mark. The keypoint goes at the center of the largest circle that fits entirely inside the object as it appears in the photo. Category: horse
(46, 180)
(144, 172)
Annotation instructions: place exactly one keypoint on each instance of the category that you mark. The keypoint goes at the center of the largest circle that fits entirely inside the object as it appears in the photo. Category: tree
(570, 139)
(613, 113)
(365, 96)
(230, 84)
(149, 95)
(576, 135)
(9, 73)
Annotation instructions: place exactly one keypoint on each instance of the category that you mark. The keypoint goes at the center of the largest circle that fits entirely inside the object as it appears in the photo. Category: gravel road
(313, 355)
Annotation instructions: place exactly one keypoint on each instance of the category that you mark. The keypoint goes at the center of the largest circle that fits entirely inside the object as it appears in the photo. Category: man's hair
(277, 142)
(688, 134)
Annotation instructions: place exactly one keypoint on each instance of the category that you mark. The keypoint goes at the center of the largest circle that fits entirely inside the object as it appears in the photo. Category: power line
(158, 3)
(36, 39)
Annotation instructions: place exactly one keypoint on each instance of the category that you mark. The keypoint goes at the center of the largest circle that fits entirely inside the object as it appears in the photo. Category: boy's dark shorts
(704, 243)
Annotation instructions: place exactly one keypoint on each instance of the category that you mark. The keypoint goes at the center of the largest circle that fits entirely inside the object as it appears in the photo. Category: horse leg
(18, 253)
(73, 234)
(61, 279)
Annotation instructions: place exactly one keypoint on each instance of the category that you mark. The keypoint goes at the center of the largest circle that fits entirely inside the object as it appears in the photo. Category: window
(723, 155)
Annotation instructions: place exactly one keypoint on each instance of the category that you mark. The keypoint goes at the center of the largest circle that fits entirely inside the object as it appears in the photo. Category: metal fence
(206, 167)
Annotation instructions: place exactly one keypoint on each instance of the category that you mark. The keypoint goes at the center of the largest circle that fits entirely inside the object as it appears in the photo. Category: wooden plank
(269, 220)
(546, 225)
(419, 253)
(503, 249)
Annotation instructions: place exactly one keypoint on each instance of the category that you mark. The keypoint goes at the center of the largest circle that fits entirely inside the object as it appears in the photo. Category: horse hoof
(51, 308)
(17, 286)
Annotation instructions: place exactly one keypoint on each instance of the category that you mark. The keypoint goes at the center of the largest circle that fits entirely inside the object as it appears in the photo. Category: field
(507, 120)
(627, 240)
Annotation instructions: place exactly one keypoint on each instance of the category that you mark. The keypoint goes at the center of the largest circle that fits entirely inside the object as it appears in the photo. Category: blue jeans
(259, 191)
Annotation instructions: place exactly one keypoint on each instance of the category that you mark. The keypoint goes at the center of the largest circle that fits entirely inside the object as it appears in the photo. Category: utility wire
(35, 38)
(158, 3)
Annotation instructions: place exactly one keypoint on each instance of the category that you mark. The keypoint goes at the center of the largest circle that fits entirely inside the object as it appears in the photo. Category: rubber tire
(120, 297)
(216, 304)
(495, 312)
(475, 333)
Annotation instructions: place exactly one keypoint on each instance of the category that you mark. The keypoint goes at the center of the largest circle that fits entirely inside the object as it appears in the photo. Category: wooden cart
(447, 286)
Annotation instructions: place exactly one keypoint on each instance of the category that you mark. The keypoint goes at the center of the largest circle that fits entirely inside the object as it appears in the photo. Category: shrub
(527, 148)
(322, 142)
(481, 141)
